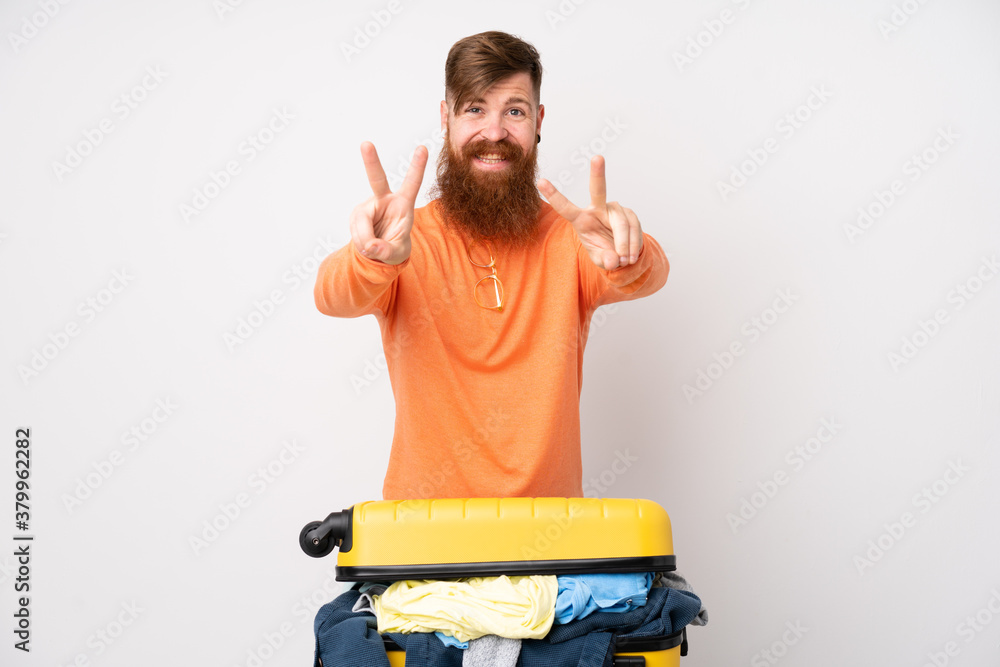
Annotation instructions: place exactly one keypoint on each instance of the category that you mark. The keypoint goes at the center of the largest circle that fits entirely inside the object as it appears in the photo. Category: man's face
(487, 169)
(507, 113)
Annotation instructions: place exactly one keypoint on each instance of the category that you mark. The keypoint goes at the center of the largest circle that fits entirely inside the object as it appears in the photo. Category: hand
(610, 233)
(380, 227)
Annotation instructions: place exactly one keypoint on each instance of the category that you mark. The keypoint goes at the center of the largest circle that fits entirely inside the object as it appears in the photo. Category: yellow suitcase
(466, 537)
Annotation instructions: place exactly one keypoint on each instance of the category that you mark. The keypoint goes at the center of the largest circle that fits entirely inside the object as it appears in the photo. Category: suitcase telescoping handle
(319, 538)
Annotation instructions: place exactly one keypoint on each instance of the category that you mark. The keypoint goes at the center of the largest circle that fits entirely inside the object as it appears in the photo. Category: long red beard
(500, 206)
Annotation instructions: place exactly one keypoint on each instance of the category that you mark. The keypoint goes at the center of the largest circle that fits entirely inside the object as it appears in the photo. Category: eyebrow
(514, 99)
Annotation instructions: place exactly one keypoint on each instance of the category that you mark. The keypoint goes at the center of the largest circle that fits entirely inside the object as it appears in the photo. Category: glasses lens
(480, 255)
(489, 292)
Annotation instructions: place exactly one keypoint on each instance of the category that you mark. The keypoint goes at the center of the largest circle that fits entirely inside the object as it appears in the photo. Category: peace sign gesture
(380, 227)
(610, 233)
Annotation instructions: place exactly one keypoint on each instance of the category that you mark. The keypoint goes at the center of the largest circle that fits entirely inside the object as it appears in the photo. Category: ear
(541, 114)
(444, 115)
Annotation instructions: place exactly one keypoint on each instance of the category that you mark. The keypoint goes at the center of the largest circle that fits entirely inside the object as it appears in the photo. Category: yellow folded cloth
(513, 607)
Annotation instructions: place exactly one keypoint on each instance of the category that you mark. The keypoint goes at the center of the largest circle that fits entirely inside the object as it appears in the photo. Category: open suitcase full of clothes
(452, 539)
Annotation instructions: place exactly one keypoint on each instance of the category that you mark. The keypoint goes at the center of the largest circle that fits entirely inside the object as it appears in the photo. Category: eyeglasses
(488, 290)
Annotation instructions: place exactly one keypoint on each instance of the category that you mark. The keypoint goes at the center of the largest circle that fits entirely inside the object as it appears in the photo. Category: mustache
(505, 149)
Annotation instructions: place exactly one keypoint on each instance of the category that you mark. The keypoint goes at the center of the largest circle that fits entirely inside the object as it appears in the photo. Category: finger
(619, 231)
(363, 226)
(373, 167)
(414, 175)
(388, 252)
(635, 236)
(379, 250)
(598, 183)
(563, 206)
(610, 259)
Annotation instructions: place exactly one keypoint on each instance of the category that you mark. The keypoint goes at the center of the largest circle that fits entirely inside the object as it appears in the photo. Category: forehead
(514, 88)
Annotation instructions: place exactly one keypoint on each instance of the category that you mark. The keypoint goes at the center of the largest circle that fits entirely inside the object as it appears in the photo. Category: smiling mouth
(490, 159)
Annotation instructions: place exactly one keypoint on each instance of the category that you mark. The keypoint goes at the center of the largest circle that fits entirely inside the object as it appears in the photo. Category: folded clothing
(517, 607)
(674, 579)
(578, 596)
(582, 594)
(344, 638)
(492, 651)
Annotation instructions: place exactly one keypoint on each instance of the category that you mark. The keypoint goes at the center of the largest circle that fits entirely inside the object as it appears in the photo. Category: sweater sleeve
(350, 285)
(643, 278)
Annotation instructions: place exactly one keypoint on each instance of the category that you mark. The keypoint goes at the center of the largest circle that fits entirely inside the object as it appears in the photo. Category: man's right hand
(380, 227)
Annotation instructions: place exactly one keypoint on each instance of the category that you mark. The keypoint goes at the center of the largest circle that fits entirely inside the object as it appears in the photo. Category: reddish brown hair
(477, 62)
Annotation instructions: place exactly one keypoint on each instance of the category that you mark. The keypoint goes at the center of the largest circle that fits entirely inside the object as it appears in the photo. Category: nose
(495, 129)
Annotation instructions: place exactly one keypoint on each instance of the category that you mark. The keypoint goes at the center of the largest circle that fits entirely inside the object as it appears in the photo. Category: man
(484, 296)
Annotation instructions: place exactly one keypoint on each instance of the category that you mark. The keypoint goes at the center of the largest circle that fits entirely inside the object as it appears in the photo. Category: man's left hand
(609, 232)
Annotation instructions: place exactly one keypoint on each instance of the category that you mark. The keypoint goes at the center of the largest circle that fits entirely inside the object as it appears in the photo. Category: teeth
(492, 159)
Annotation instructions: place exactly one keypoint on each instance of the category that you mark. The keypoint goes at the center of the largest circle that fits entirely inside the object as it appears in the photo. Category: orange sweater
(487, 402)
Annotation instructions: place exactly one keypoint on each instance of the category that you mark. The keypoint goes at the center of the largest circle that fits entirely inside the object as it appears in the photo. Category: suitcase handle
(319, 538)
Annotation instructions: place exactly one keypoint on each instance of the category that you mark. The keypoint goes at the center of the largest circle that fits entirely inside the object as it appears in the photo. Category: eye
(473, 110)
(517, 112)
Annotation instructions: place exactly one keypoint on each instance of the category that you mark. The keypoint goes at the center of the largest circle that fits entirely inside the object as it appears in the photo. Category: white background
(679, 97)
